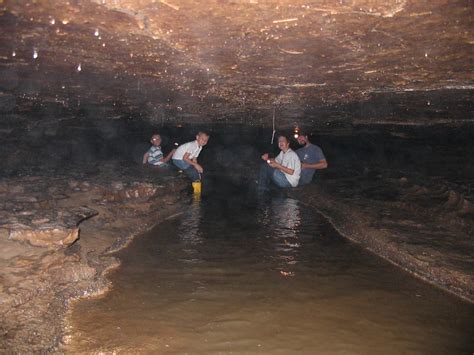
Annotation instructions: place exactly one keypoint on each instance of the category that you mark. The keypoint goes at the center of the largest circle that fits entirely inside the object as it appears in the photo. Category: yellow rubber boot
(197, 187)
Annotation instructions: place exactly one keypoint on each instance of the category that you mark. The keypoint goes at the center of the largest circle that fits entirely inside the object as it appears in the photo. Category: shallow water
(232, 275)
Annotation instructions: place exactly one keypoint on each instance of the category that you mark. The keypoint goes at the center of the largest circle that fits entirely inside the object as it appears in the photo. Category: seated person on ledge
(284, 170)
(312, 158)
(185, 157)
(154, 156)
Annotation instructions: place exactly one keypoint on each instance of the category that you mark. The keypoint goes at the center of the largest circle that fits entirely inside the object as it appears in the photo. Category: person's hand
(304, 166)
(273, 163)
(265, 156)
(199, 169)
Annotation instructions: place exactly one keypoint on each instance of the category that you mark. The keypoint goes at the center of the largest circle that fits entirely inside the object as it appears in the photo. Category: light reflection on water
(284, 214)
(189, 233)
(272, 277)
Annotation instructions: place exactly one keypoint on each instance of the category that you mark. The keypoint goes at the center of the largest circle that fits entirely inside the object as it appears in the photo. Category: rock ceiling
(190, 61)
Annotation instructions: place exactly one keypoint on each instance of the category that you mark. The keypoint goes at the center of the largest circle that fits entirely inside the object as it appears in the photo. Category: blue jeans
(161, 166)
(188, 169)
(268, 174)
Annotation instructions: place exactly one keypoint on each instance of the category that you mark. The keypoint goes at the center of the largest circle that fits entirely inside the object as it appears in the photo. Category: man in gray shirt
(312, 158)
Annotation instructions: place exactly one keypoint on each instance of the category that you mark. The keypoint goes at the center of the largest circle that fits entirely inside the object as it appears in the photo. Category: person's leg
(181, 164)
(280, 179)
(264, 177)
(192, 173)
(159, 167)
(188, 169)
(305, 178)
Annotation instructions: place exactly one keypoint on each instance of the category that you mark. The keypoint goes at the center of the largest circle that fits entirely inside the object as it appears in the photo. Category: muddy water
(232, 275)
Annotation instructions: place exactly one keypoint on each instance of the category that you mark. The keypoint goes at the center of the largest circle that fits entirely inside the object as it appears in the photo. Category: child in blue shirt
(154, 156)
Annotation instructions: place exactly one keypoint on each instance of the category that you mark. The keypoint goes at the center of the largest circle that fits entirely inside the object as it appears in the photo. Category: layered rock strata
(57, 234)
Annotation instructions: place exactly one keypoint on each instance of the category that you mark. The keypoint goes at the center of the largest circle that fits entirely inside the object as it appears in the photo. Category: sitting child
(186, 155)
(154, 156)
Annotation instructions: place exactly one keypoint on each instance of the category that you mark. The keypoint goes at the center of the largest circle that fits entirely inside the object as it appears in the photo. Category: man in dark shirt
(312, 158)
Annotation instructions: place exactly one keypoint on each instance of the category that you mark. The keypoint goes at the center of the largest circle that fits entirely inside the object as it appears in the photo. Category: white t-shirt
(192, 148)
(290, 160)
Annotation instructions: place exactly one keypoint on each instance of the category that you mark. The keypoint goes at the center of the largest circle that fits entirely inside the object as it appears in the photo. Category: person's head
(156, 140)
(302, 139)
(283, 142)
(202, 138)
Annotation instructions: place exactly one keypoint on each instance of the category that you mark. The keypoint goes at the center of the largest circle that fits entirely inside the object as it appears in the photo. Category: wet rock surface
(56, 236)
(48, 227)
(423, 225)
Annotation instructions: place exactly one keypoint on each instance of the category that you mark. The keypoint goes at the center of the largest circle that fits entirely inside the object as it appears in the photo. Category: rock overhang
(318, 63)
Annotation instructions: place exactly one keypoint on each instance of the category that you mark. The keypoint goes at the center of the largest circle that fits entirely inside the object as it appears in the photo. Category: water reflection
(285, 218)
(189, 231)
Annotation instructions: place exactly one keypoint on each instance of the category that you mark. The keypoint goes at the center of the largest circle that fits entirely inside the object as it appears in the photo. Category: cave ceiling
(188, 61)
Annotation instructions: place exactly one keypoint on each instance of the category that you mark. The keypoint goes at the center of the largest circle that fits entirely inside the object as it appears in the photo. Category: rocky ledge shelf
(422, 225)
(57, 233)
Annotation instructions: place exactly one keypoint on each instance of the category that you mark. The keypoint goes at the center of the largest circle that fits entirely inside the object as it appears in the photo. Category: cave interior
(384, 87)
(374, 82)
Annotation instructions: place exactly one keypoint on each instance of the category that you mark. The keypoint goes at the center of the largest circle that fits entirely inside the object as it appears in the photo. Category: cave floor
(423, 226)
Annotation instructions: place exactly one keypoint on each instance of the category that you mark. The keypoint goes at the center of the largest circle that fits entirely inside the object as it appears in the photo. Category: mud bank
(57, 234)
(424, 226)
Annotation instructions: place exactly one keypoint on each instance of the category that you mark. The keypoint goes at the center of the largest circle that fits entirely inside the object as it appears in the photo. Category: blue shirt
(154, 155)
(310, 154)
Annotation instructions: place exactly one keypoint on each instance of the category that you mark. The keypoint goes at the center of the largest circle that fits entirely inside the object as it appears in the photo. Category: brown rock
(72, 272)
(3, 187)
(117, 185)
(53, 238)
(16, 189)
(73, 184)
(40, 221)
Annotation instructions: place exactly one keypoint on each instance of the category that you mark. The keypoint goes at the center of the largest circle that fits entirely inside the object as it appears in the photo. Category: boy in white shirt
(284, 170)
(185, 157)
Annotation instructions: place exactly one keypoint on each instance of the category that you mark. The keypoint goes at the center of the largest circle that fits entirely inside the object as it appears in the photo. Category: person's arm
(168, 157)
(145, 158)
(322, 164)
(280, 167)
(193, 162)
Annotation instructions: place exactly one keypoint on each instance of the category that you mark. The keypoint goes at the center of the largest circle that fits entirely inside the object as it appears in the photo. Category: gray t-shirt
(309, 154)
